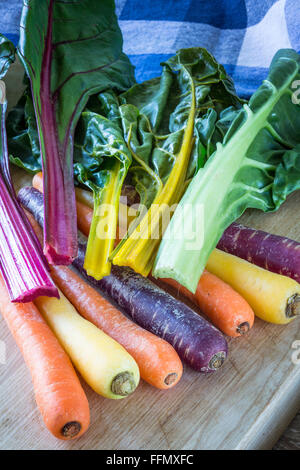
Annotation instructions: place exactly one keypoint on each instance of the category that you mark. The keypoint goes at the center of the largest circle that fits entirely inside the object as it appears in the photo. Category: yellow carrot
(104, 364)
(274, 298)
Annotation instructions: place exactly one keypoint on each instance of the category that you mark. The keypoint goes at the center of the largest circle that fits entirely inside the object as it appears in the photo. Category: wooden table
(290, 440)
(247, 404)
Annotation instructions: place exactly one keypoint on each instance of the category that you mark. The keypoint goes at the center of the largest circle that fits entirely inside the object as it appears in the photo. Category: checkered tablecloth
(242, 34)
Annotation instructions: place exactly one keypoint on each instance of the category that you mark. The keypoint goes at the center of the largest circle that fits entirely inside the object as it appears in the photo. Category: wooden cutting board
(247, 404)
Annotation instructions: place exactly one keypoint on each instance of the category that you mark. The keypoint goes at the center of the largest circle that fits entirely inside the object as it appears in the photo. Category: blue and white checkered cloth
(242, 34)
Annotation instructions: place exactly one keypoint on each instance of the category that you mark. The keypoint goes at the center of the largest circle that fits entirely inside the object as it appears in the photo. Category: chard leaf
(7, 55)
(22, 134)
(158, 119)
(152, 118)
(256, 166)
(165, 100)
(102, 160)
(70, 50)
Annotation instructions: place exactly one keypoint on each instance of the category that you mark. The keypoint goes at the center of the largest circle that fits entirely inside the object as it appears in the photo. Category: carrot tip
(217, 360)
(123, 384)
(243, 328)
(170, 378)
(293, 306)
(71, 429)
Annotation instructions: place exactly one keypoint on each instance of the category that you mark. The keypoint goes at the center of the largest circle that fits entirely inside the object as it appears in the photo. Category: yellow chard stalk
(139, 250)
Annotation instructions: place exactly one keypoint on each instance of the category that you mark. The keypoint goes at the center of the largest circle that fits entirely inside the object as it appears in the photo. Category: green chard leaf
(101, 163)
(165, 102)
(70, 50)
(147, 124)
(158, 120)
(22, 135)
(256, 166)
(7, 55)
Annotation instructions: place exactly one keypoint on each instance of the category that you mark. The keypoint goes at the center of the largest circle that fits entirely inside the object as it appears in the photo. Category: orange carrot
(84, 213)
(84, 217)
(37, 181)
(158, 361)
(58, 392)
(227, 309)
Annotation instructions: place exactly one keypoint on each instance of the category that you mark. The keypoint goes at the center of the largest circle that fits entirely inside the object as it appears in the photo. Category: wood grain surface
(290, 440)
(247, 404)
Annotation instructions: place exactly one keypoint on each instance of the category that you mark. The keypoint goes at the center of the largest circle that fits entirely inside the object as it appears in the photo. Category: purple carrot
(280, 255)
(197, 342)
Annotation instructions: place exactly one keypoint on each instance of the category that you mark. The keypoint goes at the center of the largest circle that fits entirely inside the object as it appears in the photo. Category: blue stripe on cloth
(292, 15)
(10, 14)
(246, 79)
(225, 14)
(166, 37)
(256, 10)
(148, 65)
(13, 38)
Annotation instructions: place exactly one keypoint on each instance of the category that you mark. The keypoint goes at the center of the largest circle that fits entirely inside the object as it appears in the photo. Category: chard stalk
(139, 250)
(22, 264)
(104, 226)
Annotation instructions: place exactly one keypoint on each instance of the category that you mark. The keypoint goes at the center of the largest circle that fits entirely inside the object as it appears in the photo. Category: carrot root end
(123, 384)
(243, 328)
(217, 360)
(293, 306)
(170, 378)
(71, 429)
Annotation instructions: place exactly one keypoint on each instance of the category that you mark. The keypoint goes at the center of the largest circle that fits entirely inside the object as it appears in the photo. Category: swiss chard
(158, 119)
(145, 126)
(70, 50)
(22, 263)
(102, 160)
(257, 166)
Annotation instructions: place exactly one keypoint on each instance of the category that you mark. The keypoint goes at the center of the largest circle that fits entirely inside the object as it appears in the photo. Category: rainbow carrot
(227, 309)
(158, 361)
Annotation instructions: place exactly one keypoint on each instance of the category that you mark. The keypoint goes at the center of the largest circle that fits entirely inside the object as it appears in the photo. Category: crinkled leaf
(98, 144)
(158, 119)
(257, 166)
(22, 134)
(155, 113)
(7, 55)
(102, 160)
